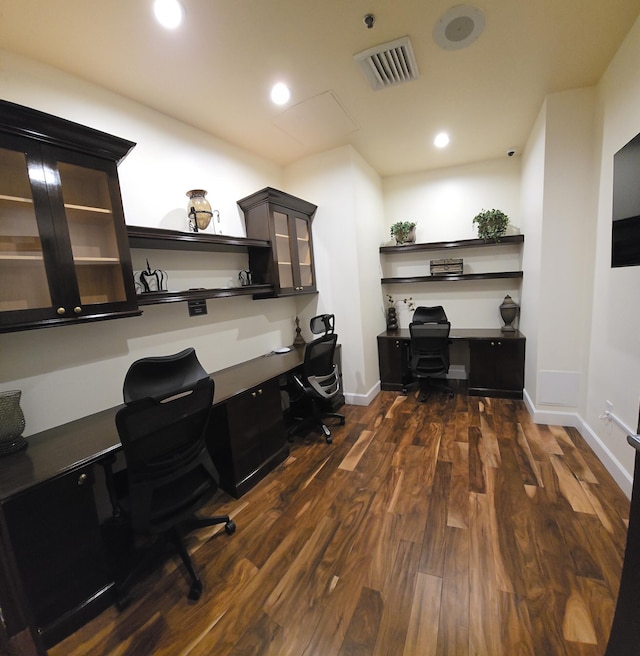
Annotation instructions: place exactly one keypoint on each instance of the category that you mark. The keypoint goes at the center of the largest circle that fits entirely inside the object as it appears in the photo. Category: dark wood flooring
(447, 527)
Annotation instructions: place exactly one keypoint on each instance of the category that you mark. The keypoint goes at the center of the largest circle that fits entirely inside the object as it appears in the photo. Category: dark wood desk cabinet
(247, 438)
(495, 360)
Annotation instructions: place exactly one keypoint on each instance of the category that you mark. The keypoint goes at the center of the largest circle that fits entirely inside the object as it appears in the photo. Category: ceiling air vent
(389, 64)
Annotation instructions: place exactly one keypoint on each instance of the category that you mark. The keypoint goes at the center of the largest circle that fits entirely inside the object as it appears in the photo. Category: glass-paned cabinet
(64, 252)
(285, 221)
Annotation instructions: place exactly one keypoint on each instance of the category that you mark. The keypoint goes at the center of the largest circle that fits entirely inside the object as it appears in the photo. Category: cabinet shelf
(156, 298)
(454, 277)
(142, 237)
(461, 243)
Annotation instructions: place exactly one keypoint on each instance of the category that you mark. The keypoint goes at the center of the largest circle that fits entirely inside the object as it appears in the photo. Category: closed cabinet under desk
(495, 360)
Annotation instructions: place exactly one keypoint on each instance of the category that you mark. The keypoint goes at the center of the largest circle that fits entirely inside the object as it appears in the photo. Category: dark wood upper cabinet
(64, 250)
(285, 222)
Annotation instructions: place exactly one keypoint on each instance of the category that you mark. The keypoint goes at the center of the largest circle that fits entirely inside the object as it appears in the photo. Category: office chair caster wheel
(329, 439)
(230, 527)
(195, 591)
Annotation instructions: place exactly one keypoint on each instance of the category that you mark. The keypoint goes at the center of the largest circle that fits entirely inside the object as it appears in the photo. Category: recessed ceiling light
(169, 13)
(280, 93)
(441, 140)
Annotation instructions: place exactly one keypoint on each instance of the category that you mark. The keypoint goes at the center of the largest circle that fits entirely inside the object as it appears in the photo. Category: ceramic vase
(198, 210)
(11, 423)
(508, 311)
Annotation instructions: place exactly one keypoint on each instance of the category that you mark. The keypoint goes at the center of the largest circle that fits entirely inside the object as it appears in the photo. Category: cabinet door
(497, 367)
(58, 547)
(63, 245)
(393, 362)
(293, 252)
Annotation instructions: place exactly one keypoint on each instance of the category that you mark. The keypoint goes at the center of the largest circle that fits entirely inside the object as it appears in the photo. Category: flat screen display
(625, 235)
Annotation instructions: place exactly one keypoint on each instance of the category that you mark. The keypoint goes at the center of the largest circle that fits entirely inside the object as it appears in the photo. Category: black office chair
(434, 314)
(429, 356)
(319, 381)
(169, 473)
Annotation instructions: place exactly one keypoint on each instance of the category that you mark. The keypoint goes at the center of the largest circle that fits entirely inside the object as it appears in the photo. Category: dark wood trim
(461, 243)
(143, 237)
(155, 298)
(454, 277)
(277, 197)
(55, 131)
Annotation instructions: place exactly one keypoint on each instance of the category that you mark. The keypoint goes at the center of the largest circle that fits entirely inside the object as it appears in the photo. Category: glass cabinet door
(303, 240)
(90, 223)
(22, 266)
(283, 250)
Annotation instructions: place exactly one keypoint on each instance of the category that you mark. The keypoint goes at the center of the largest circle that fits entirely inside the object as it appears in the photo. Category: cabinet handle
(77, 309)
(82, 479)
(254, 394)
(60, 311)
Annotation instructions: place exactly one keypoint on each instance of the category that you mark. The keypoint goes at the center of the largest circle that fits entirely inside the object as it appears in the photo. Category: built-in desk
(493, 360)
(50, 494)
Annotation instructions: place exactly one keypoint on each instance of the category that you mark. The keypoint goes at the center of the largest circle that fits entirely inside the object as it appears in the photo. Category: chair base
(316, 420)
(428, 385)
(154, 551)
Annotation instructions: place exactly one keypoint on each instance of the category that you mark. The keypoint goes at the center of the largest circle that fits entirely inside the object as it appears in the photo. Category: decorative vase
(392, 319)
(198, 210)
(11, 423)
(508, 311)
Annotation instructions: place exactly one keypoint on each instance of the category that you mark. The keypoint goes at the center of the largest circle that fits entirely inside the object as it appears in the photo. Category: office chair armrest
(325, 386)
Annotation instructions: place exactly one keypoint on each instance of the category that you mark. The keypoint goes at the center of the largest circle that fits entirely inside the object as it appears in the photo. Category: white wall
(443, 204)
(346, 232)
(614, 371)
(71, 371)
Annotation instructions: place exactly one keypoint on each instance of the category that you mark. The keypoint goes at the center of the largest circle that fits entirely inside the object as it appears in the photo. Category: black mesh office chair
(435, 314)
(169, 473)
(319, 381)
(429, 356)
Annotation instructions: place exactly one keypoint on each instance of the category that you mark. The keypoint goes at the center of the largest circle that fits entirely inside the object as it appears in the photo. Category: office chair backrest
(319, 355)
(429, 348)
(323, 323)
(168, 466)
(159, 377)
(424, 314)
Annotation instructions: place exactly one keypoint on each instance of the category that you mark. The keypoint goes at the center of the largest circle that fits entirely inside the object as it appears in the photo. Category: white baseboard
(611, 463)
(363, 399)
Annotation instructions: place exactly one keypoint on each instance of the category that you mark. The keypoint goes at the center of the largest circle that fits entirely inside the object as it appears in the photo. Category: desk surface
(469, 334)
(58, 450)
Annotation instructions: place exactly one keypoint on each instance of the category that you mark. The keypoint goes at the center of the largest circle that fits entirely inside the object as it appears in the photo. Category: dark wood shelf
(454, 277)
(143, 237)
(462, 243)
(155, 298)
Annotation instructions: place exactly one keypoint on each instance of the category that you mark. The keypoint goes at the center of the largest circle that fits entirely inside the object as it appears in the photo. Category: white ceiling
(216, 71)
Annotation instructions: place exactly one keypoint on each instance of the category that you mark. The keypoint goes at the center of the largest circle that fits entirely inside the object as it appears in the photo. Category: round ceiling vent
(459, 27)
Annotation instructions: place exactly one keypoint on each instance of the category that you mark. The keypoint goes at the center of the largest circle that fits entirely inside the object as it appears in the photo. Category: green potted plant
(404, 232)
(492, 224)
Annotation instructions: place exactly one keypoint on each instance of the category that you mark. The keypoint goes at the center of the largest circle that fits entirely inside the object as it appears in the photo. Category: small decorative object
(151, 281)
(298, 340)
(508, 311)
(198, 210)
(492, 224)
(245, 278)
(404, 232)
(392, 318)
(11, 423)
(445, 266)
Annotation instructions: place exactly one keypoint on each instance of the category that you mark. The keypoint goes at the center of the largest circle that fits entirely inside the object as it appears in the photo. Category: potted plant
(404, 232)
(492, 224)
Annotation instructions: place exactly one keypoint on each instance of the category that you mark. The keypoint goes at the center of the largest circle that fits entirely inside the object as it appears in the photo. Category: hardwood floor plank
(455, 526)
(363, 629)
(422, 634)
